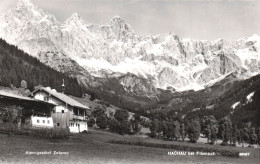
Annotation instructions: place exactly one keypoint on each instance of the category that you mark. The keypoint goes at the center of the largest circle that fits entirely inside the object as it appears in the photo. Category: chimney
(63, 86)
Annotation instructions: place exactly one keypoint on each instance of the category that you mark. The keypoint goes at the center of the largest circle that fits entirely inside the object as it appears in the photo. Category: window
(38, 121)
(48, 121)
(53, 111)
(46, 98)
(43, 121)
(62, 111)
(58, 124)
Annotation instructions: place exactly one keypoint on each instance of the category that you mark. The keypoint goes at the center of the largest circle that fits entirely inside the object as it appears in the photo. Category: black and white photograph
(129, 81)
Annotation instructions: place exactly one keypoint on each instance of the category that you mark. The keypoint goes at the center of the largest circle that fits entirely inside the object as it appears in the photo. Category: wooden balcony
(77, 117)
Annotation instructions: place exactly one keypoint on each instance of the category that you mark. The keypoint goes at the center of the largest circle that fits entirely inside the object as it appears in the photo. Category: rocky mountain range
(142, 65)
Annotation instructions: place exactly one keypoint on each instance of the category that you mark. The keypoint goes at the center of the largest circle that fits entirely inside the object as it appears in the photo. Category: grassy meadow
(96, 147)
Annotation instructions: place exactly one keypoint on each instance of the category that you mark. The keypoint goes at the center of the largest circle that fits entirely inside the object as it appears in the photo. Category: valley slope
(114, 50)
(139, 73)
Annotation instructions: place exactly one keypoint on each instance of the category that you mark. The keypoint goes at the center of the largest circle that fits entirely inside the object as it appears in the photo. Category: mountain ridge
(113, 50)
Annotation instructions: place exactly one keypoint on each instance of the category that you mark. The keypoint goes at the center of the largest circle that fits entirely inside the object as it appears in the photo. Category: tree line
(208, 126)
(118, 122)
(16, 65)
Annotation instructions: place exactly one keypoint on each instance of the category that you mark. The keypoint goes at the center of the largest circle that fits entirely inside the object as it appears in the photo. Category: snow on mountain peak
(24, 3)
(75, 19)
(117, 21)
(117, 18)
(253, 39)
(27, 12)
(165, 59)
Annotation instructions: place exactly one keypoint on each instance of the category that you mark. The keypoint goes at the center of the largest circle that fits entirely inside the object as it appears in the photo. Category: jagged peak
(74, 18)
(27, 11)
(117, 19)
(24, 3)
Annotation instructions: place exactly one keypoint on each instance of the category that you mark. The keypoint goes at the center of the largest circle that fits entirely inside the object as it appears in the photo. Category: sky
(195, 19)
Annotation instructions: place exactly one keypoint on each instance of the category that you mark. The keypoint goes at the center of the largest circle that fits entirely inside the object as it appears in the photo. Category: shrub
(91, 122)
(120, 124)
(12, 114)
(50, 133)
(121, 128)
(12, 117)
(98, 111)
(121, 115)
(113, 124)
(9, 127)
(102, 121)
(124, 128)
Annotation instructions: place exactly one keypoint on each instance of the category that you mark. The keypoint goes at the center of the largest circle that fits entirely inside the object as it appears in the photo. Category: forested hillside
(235, 92)
(16, 65)
(248, 113)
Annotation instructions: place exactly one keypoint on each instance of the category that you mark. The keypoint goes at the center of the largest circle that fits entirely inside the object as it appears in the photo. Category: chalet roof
(15, 96)
(12, 95)
(62, 97)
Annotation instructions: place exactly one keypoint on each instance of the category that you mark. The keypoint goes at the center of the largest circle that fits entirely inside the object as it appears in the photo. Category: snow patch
(212, 82)
(192, 86)
(249, 97)
(235, 105)
(135, 66)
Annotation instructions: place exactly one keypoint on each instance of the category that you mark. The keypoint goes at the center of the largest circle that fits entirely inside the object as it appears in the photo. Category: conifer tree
(252, 136)
(154, 128)
(183, 132)
(258, 136)
(226, 130)
(213, 136)
(164, 128)
(193, 129)
(176, 132)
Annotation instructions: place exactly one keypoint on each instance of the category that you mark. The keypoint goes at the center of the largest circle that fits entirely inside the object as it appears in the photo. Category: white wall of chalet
(60, 109)
(78, 126)
(43, 96)
(42, 122)
(61, 116)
